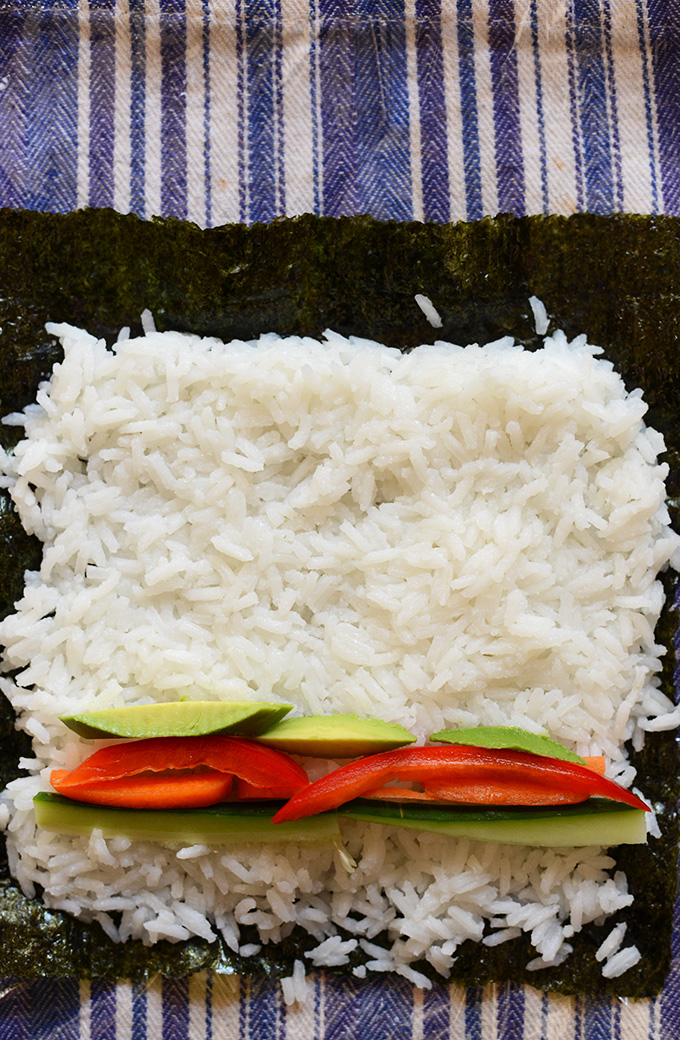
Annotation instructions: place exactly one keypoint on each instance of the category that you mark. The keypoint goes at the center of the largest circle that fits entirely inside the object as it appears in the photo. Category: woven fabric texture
(243, 110)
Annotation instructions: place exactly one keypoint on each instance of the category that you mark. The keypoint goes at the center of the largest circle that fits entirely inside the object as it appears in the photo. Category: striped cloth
(244, 110)
(209, 1007)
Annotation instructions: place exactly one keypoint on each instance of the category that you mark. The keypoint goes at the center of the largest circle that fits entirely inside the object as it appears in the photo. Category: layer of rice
(450, 537)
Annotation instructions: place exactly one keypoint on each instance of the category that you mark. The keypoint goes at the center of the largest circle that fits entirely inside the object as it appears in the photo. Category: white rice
(429, 310)
(450, 537)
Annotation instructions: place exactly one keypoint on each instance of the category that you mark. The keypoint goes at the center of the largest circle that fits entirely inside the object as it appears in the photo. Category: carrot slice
(154, 791)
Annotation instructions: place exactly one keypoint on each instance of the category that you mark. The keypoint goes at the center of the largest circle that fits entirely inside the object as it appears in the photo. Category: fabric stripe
(468, 105)
(175, 1009)
(540, 117)
(243, 1003)
(379, 1009)
(209, 1007)
(670, 998)
(262, 161)
(488, 1013)
(654, 1019)
(264, 1011)
(597, 1019)
(13, 1020)
(84, 103)
(206, 112)
(664, 41)
(573, 102)
(241, 119)
(153, 161)
(195, 110)
(226, 114)
(382, 114)
(415, 140)
(121, 113)
(137, 106)
(102, 1010)
(508, 134)
(52, 116)
(138, 1010)
(578, 1018)
(173, 109)
(49, 1007)
(559, 1018)
(616, 1025)
(510, 1012)
(635, 1024)
(123, 1011)
(592, 106)
(319, 999)
(452, 93)
(436, 1011)
(102, 100)
(530, 106)
(314, 104)
(534, 1015)
(647, 90)
(338, 112)
(457, 1012)
(484, 98)
(432, 104)
(473, 1014)
(294, 111)
(14, 71)
(278, 109)
(613, 103)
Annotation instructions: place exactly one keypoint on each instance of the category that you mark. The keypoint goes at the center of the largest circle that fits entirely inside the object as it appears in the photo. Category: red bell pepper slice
(475, 775)
(177, 772)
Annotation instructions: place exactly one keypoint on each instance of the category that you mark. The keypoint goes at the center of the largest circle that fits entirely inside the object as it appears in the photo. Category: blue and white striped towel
(244, 110)
(209, 1007)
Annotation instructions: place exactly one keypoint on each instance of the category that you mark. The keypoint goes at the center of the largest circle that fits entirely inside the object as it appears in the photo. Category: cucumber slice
(335, 736)
(509, 738)
(596, 821)
(178, 719)
(223, 824)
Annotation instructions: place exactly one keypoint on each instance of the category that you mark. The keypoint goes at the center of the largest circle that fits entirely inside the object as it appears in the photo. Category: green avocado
(510, 738)
(335, 736)
(178, 719)
(222, 824)
(596, 821)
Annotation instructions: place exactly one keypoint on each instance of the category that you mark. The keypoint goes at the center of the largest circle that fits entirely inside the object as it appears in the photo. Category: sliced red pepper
(177, 772)
(475, 775)
(406, 794)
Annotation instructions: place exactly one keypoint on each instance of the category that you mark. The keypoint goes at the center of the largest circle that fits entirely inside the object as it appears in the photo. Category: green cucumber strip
(178, 719)
(596, 821)
(221, 824)
(509, 738)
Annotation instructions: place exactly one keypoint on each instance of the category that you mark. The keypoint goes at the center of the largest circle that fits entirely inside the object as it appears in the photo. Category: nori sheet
(615, 278)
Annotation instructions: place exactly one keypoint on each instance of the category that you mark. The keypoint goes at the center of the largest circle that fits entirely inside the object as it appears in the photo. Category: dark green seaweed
(615, 278)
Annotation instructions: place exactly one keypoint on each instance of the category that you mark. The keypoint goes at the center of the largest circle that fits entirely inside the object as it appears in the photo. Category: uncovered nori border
(615, 278)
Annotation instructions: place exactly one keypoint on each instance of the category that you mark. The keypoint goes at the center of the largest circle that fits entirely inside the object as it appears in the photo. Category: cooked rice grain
(449, 537)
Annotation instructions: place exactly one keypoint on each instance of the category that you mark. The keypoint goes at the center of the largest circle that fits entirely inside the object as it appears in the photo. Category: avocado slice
(178, 719)
(335, 736)
(510, 738)
(222, 824)
(596, 821)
